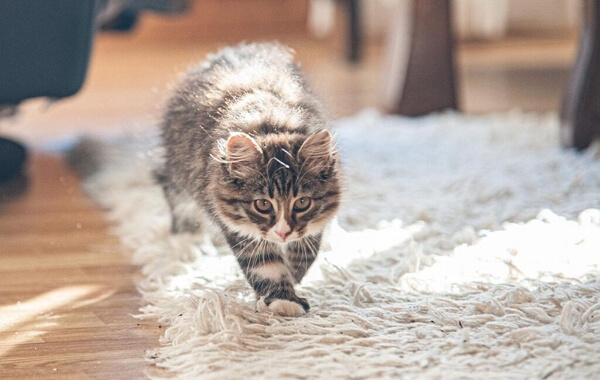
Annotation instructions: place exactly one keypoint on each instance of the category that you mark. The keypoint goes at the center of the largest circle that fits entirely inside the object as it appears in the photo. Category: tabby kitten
(246, 145)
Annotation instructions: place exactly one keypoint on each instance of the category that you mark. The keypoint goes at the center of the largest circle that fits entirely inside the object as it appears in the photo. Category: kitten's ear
(241, 152)
(316, 151)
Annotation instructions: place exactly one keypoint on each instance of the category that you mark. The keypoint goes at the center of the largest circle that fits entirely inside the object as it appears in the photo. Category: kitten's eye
(263, 205)
(302, 204)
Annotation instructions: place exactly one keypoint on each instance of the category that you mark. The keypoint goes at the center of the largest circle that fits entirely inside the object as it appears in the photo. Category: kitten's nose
(282, 228)
(283, 234)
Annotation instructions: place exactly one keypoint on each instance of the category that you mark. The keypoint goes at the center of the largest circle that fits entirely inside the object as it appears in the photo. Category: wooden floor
(67, 287)
(67, 290)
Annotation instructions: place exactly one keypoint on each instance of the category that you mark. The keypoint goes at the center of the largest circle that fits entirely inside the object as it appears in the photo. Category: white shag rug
(469, 247)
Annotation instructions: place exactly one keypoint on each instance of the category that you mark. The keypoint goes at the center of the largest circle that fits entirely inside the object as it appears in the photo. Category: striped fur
(247, 146)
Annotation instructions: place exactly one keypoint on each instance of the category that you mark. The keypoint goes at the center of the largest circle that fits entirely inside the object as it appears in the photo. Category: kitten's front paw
(286, 308)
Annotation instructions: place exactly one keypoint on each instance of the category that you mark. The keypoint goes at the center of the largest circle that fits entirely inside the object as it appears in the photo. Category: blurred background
(509, 53)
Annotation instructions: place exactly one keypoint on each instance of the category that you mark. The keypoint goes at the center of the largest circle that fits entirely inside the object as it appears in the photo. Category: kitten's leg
(263, 264)
(301, 254)
(185, 213)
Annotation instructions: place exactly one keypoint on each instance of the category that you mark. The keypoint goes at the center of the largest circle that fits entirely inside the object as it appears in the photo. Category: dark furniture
(354, 39)
(44, 51)
(45, 48)
(580, 113)
(429, 82)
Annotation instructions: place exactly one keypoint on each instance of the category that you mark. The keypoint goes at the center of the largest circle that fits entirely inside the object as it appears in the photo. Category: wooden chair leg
(427, 78)
(354, 31)
(580, 113)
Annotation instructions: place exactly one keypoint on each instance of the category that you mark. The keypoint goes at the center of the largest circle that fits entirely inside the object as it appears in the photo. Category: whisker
(281, 162)
(305, 252)
(311, 244)
(242, 242)
(243, 251)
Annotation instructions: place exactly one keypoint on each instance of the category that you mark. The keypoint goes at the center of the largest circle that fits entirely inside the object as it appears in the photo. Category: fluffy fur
(247, 143)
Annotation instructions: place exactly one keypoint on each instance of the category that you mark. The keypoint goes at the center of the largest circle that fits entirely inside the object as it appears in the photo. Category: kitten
(246, 145)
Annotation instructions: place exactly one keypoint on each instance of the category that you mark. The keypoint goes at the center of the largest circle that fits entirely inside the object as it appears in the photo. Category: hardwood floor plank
(67, 294)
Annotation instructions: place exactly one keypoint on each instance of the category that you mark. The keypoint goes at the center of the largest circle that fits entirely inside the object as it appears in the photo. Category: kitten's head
(279, 187)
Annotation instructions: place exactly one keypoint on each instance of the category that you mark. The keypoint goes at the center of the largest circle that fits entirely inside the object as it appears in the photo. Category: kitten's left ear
(316, 151)
(242, 151)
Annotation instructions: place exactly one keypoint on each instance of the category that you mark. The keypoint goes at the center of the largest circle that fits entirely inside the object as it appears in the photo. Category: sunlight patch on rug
(467, 246)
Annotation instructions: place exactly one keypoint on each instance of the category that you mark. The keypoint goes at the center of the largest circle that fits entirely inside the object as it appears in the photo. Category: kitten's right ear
(241, 152)
(316, 152)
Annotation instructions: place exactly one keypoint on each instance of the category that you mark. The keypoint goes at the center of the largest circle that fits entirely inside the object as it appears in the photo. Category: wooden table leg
(580, 114)
(427, 80)
(354, 30)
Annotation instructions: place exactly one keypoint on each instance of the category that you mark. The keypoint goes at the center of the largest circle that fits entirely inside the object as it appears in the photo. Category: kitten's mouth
(281, 239)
